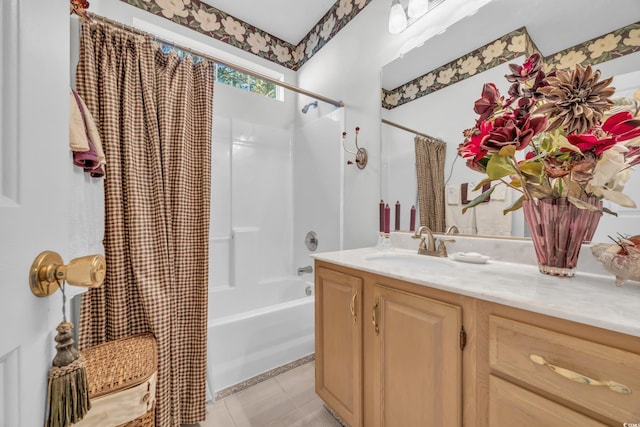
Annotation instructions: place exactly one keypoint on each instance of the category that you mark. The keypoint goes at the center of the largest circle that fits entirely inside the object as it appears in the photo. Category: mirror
(497, 30)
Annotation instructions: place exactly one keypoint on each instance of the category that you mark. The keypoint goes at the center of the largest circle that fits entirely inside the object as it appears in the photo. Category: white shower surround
(271, 183)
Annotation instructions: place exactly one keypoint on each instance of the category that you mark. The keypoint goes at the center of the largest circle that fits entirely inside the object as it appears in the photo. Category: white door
(34, 201)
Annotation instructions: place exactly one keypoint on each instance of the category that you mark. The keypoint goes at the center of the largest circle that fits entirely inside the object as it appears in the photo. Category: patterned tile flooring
(286, 400)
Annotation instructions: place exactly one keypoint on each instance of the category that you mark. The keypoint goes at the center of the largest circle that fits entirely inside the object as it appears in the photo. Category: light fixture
(397, 18)
(417, 8)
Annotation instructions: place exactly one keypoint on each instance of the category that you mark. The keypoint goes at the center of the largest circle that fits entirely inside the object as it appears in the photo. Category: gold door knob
(48, 272)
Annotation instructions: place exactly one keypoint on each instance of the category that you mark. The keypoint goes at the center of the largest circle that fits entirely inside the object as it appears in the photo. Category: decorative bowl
(624, 267)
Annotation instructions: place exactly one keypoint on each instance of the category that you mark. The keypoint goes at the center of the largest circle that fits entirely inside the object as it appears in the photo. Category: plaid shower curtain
(154, 113)
(430, 156)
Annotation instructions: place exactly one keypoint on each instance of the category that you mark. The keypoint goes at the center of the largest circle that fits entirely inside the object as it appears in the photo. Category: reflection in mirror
(440, 103)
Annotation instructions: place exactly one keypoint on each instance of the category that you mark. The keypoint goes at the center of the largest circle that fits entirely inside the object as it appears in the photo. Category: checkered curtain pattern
(154, 112)
(430, 155)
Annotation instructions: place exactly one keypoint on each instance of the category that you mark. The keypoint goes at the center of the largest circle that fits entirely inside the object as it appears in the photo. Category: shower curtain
(154, 112)
(430, 156)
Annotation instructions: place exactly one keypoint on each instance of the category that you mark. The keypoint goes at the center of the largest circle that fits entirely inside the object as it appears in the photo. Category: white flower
(445, 76)
(518, 44)
(570, 60)
(234, 28)
(393, 98)
(427, 81)
(208, 21)
(410, 91)
(493, 51)
(328, 27)
(469, 65)
(633, 39)
(610, 175)
(359, 3)
(258, 43)
(605, 44)
(298, 54)
(344, 8)
(172, 7)
(282, 53)
(311, 44)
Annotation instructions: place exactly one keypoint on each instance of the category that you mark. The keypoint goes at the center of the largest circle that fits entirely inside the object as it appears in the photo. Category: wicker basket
(120, 365)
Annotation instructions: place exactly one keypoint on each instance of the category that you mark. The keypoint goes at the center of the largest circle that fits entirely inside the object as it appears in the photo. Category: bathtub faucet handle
(305, 270)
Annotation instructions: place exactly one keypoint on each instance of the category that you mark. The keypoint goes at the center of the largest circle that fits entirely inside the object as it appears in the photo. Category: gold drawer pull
(353, 306)
(374, 320)
(574, 376)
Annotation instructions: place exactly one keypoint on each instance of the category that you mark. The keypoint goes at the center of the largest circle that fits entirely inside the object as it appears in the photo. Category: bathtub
(256, 330)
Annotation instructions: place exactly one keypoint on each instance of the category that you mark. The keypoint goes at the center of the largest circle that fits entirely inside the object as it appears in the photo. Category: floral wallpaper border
(621, 42)
(217, 24)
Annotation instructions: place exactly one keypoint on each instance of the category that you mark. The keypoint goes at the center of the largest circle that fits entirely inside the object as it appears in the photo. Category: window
(224, 74)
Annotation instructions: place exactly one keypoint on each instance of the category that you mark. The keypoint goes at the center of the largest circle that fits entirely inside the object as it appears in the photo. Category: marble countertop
(587, 298)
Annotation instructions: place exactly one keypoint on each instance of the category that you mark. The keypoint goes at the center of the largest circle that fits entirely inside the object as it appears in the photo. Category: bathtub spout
(305, 270)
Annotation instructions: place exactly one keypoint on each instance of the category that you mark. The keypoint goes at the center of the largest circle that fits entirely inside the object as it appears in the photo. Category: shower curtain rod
(390, 123)
(239, 68)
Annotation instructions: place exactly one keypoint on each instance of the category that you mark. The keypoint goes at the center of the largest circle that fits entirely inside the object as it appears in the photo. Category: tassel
(67, 391)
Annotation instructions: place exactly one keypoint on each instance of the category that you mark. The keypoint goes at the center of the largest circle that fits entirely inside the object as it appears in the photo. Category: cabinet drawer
(595, 378)
(510, 405)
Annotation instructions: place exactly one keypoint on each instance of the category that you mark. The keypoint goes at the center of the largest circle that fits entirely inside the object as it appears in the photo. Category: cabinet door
(417, 360)
(339, 343)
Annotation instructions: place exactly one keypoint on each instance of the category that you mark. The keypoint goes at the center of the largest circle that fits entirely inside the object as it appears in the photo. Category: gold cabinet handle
(374, 320)
(353, 306)
(574, 376)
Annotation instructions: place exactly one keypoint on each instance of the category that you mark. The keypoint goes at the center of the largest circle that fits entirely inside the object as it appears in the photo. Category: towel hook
(360, 153)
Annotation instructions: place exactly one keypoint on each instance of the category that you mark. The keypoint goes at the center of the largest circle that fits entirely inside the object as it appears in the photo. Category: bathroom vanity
(411, 340)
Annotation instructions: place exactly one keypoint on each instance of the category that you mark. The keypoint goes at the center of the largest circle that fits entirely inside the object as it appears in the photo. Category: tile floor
(286, 400)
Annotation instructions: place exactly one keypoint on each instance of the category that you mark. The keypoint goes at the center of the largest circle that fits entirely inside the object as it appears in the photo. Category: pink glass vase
(558, 229)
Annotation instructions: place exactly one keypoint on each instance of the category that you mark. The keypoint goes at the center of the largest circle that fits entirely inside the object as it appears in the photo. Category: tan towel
(78, 140)
(82, 127)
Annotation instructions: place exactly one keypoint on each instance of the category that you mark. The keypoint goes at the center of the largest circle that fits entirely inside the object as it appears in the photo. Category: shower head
(313, 104)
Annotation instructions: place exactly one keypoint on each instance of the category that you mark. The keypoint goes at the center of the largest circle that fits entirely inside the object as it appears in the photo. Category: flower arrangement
(550, 137)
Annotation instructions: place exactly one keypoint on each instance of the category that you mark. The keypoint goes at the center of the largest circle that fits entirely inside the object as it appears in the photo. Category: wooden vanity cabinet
(338, 336)
(386, 356)
(416, 360)
(390, 353)
(544, 371)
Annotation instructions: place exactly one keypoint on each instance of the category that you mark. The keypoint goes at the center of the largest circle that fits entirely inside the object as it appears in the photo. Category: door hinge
(463, 338)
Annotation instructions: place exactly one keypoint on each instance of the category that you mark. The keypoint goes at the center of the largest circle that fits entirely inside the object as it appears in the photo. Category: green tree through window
(231, 77)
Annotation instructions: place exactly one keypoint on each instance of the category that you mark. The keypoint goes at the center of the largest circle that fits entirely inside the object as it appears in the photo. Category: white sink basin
(410, 261)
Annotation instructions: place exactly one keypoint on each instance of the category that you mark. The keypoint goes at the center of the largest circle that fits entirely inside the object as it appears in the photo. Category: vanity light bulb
(417, 8)
(397, 18)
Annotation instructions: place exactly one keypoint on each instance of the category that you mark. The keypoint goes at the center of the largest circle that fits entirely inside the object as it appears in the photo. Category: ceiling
(289, 20)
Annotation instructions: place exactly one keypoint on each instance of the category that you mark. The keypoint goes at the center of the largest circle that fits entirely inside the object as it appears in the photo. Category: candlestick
(397, 228)
(381, 216)
(387, 218)
(412, 221)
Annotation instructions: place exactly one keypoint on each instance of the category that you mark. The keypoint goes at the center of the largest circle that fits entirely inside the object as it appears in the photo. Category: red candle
(412, 221)
(387, 218)
(397, 228)
(381, 216)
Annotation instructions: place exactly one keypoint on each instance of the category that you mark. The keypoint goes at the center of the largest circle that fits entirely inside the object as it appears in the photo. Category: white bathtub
(257, 330)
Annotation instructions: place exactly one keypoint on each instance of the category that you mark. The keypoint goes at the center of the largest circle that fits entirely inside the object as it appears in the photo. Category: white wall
(348, 68)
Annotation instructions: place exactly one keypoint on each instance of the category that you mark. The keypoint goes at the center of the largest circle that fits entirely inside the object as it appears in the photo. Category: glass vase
(558, 229)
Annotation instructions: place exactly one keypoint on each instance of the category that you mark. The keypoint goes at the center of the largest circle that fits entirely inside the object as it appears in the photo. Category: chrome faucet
(302, 270)
(428, 247)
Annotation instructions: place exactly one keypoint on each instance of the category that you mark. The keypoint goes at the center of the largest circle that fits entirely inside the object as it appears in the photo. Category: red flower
(622, 126)
(509, 131)
(472, 148)
(525, 71)
(617, 128)
(488, 102)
